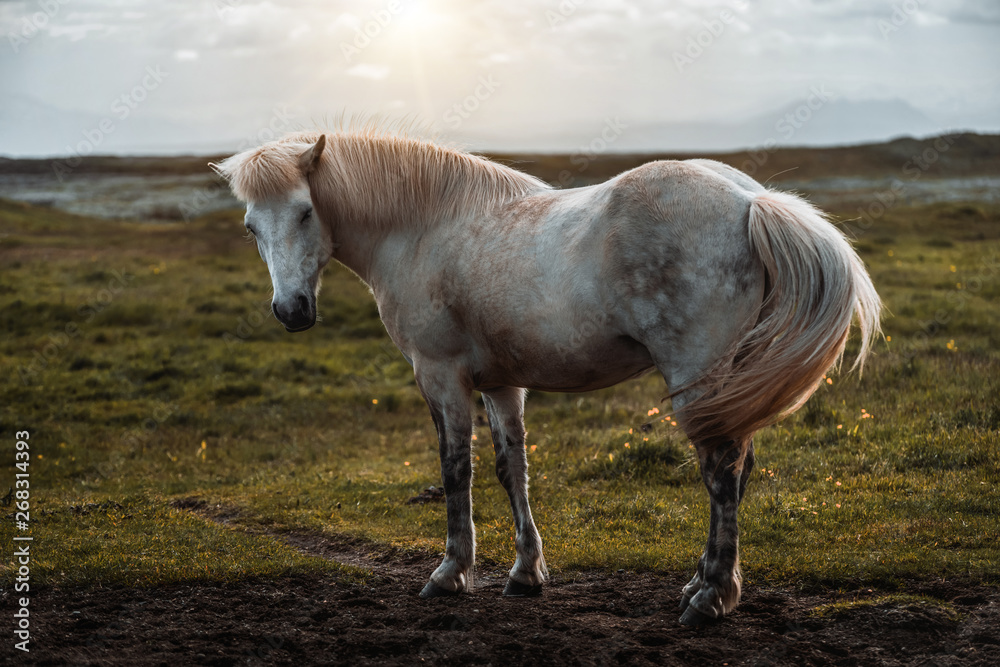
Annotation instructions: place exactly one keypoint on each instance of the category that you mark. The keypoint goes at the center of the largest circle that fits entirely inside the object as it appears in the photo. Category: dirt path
(588, 619)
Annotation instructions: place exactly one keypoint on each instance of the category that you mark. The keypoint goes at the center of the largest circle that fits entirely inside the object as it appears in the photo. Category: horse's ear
(309, 160)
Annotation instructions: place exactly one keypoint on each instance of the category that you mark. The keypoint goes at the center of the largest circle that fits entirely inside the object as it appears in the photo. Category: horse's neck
(359, 240)
(386, 205)
(356, 248)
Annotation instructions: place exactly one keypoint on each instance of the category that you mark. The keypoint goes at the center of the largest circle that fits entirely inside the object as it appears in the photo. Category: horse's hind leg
(715, 589)
(506, 411)
(451, 410)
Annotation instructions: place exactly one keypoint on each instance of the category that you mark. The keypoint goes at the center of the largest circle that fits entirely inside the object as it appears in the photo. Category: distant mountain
(809, 122)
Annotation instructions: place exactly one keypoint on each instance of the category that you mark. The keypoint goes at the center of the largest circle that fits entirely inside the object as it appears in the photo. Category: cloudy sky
(143, 76)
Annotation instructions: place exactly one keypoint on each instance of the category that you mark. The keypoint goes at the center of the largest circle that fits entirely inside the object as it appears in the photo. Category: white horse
(488, 279)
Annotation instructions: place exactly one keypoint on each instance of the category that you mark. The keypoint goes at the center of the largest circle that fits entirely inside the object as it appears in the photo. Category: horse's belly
(574, 364)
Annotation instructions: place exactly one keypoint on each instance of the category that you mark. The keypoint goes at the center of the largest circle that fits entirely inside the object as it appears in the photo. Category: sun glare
(418, 17)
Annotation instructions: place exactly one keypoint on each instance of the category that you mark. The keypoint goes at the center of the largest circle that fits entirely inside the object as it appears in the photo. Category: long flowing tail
(817, 283)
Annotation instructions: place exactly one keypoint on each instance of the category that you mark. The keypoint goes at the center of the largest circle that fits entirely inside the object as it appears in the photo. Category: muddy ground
(583, 619)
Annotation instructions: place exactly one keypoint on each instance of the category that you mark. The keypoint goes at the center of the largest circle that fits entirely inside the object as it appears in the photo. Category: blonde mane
(378, 178)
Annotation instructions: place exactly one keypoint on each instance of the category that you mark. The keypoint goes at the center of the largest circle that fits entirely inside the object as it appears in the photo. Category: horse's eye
(306, 215)
(251, 231)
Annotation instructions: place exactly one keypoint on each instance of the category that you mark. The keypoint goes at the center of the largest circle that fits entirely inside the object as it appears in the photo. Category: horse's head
(291, 239)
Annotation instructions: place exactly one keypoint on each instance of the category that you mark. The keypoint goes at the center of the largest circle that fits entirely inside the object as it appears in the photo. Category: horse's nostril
(303, 304)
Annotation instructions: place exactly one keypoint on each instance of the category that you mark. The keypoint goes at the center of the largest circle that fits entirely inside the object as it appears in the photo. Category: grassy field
(143, 361)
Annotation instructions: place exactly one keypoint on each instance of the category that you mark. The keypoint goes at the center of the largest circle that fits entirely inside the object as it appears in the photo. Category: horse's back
(677, 223)
(731, 173)
(682, 192)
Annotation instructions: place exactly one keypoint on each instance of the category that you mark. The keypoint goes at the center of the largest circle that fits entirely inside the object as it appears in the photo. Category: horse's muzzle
(297, 316)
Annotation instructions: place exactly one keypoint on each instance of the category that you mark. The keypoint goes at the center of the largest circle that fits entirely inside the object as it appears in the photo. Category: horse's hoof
(684, 603)
(694, 618)
(515, 589)
(432, 590)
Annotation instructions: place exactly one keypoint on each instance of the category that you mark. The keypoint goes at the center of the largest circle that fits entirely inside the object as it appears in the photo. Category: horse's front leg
(715, 589)
(449, 400)
(506, 411)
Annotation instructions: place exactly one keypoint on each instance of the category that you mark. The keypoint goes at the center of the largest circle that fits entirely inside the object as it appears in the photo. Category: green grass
(141, 541)
(144, 363)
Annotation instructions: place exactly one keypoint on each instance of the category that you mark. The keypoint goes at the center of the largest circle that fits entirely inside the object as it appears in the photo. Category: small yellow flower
(838, 484)
(888, 339)
(374, 401)
(406, 463)
(953, 269)
(534, 447)
(203, 444)
(627, 446)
